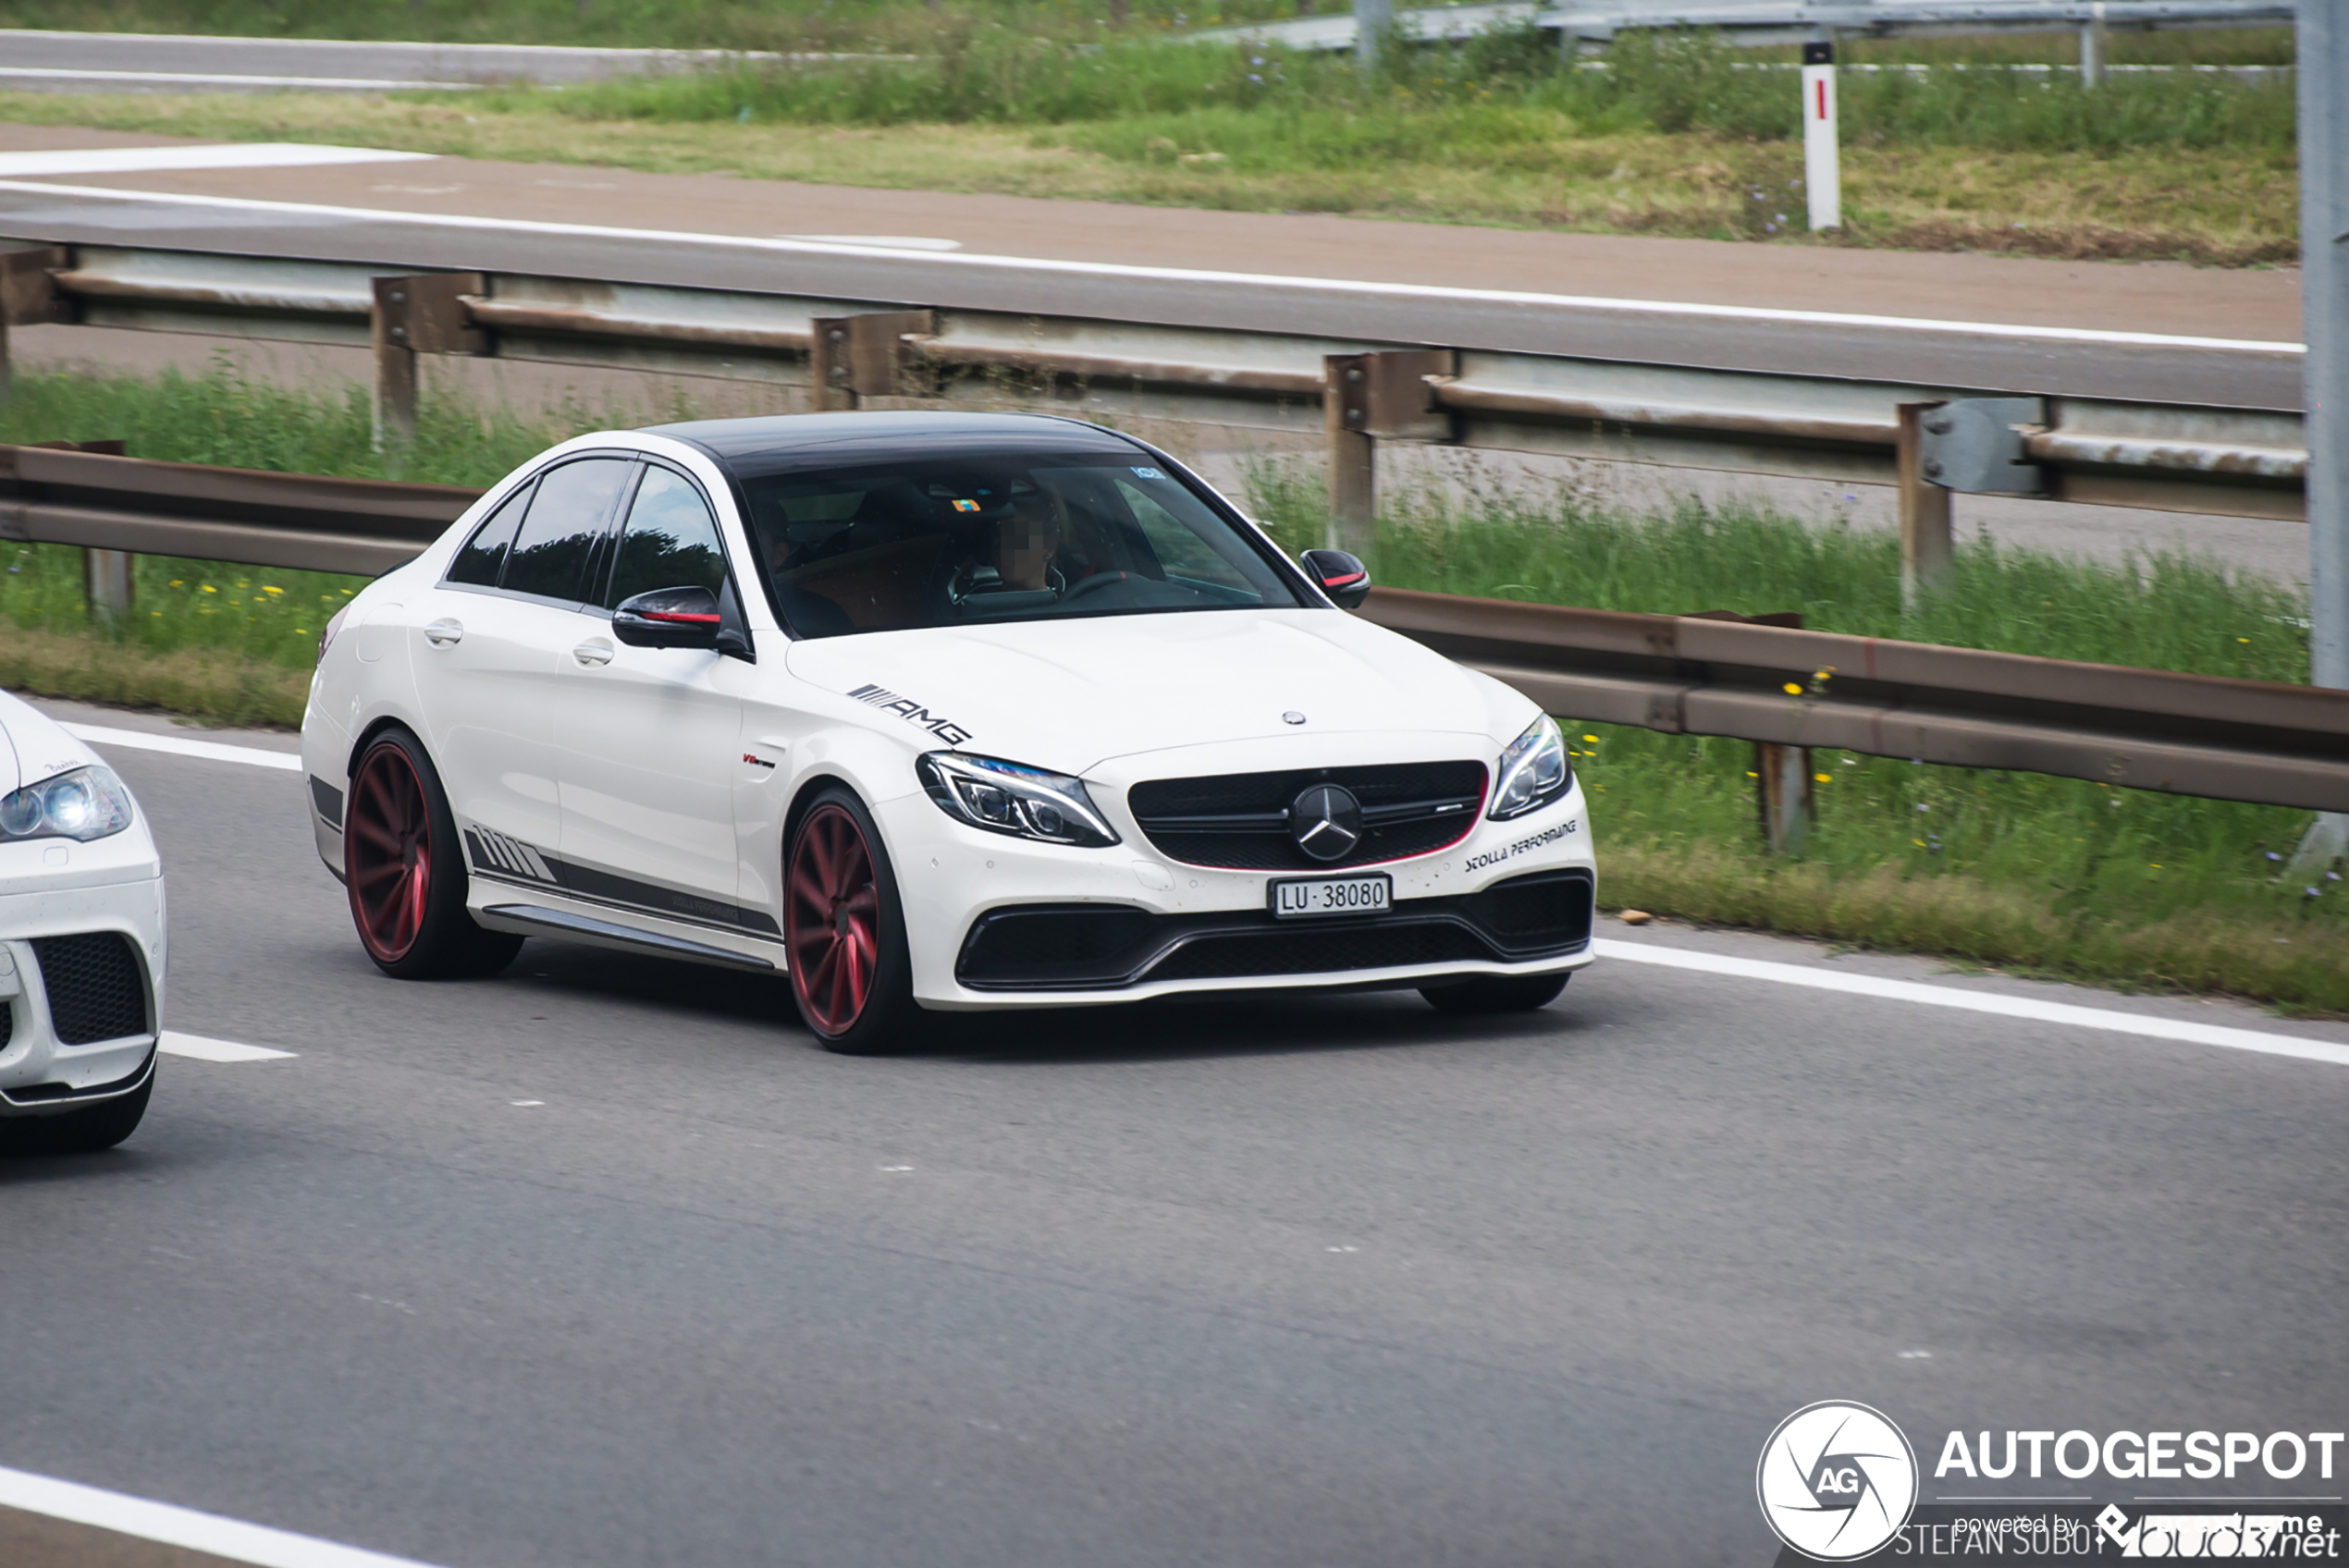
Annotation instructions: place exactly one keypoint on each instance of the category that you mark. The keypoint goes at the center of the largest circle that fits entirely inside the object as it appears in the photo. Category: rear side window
(560, 535)
(484, 553)
(670, 541)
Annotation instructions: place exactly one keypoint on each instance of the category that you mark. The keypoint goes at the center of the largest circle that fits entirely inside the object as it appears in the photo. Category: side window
(566, 522)
(484, 553)
(671, 540)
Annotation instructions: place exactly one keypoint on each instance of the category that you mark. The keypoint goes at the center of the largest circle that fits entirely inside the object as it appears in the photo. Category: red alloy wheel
(832, 920)
(387, 853)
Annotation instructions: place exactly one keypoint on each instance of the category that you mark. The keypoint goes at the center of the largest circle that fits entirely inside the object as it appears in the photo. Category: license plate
(1336, 895)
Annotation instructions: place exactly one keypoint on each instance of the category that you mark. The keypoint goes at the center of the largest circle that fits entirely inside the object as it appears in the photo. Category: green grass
(2050, 874)
(230, 642)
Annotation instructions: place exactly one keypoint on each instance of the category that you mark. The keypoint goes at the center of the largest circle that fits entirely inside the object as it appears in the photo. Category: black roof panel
(774, 444)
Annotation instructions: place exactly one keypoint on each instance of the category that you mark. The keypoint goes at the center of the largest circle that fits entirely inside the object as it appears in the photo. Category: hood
(1069, 695)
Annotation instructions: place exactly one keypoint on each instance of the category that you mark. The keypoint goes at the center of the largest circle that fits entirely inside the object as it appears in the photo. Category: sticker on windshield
(1146, 473)
(963, 504)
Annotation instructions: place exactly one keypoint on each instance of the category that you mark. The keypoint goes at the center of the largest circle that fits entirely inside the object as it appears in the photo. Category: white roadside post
(1821, 159)
(1372, 19)
(2321, 63)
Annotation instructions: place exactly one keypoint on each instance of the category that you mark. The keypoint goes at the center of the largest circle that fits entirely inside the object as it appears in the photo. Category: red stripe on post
(1822, 97)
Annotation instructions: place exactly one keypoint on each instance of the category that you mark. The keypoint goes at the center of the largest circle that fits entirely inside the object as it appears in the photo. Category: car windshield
(963, 541)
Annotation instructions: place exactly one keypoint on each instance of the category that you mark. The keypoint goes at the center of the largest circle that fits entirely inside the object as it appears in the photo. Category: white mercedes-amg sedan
(81, 944)
(928, 711)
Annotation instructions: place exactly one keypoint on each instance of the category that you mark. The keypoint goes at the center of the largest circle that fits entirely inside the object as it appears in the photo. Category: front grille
(1239, 821)
(96, 989)
(7, 1023)
(1097, 947)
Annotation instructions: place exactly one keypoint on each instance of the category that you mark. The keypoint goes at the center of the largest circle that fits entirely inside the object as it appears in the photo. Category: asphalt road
(1350, 280)
(604, 1263)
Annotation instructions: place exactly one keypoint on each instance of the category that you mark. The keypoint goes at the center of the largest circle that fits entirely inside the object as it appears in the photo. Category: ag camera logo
(1837, 1480)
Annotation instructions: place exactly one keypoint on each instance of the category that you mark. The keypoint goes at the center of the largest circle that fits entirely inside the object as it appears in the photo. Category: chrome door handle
(443, 634)
(592, 654)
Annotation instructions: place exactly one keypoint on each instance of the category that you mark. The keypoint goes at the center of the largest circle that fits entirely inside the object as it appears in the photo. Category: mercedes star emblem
(1326, 822)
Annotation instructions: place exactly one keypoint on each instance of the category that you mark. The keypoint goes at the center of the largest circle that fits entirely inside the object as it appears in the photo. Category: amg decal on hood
(911, 712)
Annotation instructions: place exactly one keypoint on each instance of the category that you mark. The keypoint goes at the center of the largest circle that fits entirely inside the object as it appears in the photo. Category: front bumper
(997, 922)
(82, 995)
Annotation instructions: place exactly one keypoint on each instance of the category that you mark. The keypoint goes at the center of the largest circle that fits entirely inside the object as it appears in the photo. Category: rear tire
(1495, 993)
(404, 868)
(88, 1130)
(844, 932)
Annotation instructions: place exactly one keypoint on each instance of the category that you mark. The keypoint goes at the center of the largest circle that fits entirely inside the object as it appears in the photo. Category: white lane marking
(211, 751)
(201, 1047)
(140, 160)
(185, 1527)
(1311, 286)
(212, 78)
(2029, 1008)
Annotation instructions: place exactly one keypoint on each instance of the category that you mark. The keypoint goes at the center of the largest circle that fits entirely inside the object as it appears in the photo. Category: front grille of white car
(1240, 821)
(96, 987)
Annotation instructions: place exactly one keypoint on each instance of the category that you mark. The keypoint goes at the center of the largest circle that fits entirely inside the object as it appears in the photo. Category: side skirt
(533, 920)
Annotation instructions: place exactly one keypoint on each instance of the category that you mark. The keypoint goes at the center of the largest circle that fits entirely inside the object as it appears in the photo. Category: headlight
(88, 802)
(1004, 797)
(1533, 771)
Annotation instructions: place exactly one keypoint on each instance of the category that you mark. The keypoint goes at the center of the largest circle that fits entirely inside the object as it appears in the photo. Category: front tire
(405, 870)
(845, 931)
(89, 1131)
(1495, 993)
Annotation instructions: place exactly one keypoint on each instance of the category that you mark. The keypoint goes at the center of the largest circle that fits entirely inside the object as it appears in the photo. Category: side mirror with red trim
(1345, 580)
(669, 618)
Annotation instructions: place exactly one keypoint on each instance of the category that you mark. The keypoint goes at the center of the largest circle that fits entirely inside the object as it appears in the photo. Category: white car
(81, 943)
(929, 711)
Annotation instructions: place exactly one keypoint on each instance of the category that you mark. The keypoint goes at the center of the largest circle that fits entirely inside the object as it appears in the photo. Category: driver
(1027, 543)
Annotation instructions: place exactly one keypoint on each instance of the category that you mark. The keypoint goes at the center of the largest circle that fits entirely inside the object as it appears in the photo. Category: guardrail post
(853, 358)
(421, 314)
(1784, 794)
(28, 296)
(106, 578)
(1367, 398)
(1346, 413)
(2092, 51)
(1926, 554)
(395, 366)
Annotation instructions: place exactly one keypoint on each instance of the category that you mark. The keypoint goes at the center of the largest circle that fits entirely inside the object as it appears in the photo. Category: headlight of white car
(1005, 797)
(1533, 771)
(88, 802)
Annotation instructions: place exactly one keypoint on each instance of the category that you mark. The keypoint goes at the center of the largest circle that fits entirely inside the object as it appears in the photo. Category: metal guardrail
(2147, 729)
(2205, 735)
(1769, 21)
(1356, 394)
